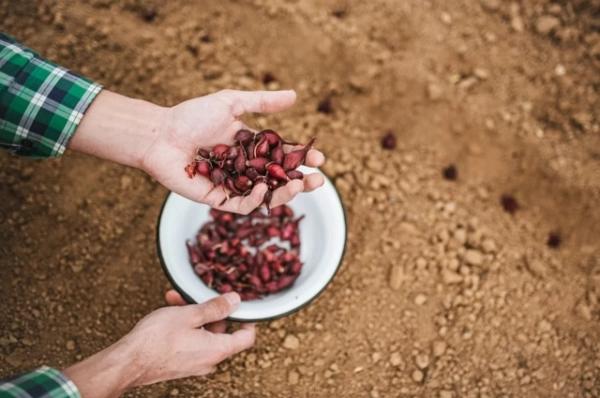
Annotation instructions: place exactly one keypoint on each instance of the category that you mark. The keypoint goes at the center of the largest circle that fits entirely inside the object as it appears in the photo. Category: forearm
(107, 373)
(118, 128)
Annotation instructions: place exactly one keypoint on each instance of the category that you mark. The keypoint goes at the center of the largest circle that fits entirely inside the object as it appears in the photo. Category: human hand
(210, 120)
(173, 298)
(169, 343)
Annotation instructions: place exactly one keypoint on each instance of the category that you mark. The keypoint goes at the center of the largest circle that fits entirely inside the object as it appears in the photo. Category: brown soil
(442, 292)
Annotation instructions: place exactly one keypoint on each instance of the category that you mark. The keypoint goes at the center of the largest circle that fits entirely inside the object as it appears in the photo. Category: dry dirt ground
(442, 293)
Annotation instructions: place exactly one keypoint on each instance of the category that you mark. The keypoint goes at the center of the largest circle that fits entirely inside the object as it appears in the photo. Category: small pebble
(584, 311)
(450, 277)
(70, 345)
(446, 18)
(545, 326)
(546, 24)
(489, 246)
(446, 394)
(439, 348)
(396, 359)
(293, 377)
(125, 182)
(420, 299)
(291, 342)
(417, 376)
(461, 236)
(397, 276)
(422, 361)
(434, 91)
(375, 357)
(490, 5)
(473, 257)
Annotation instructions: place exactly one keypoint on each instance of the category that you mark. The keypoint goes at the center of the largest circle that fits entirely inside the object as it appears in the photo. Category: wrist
(142, 121)
(107, 373)
(119, 128)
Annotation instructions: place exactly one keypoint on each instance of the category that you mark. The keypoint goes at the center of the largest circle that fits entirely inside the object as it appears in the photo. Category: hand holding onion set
(211, 121)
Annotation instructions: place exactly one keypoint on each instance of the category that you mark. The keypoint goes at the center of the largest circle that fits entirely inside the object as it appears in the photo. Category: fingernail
(233, 298)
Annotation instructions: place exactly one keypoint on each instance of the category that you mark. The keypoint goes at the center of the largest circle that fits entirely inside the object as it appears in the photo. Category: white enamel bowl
(323, 237)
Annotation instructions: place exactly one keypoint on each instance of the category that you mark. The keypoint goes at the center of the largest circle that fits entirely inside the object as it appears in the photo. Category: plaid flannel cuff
(41, 104)
(42, 382)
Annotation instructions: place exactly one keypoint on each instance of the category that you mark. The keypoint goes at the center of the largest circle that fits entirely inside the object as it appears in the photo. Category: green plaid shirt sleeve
(41, 103)
(43, 382)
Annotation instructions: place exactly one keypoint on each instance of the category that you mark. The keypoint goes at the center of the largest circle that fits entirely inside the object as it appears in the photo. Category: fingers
(258, 101)
(243, 338)
(287, 192)
(213, 310)
(294, 187)
(245, 204)
(173, 298)
(313, 181)
(216, 327)
(237, 341)
(215, 197)
(314, 157)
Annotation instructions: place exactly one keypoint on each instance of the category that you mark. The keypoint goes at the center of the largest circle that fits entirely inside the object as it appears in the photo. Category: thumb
(213, 310)
(259, 101)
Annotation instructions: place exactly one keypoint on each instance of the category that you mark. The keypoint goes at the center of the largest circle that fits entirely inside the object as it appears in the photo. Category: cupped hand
(175, 342)
(210, 120)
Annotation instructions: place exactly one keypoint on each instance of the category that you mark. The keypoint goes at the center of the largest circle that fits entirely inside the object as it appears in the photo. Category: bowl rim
(190, 300)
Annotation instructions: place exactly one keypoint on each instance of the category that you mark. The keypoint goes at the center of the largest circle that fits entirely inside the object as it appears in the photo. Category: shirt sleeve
(42, 382)
(41, 104)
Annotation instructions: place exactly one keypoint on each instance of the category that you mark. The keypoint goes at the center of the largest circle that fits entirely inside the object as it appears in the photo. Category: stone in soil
(417, 376)
(396, 359)
(397, 276)
(546, 24)
(422, 361)
(420, 299)
(434, 91)
(450, 277)
(490, 5)
(473, 257)
(293, 377)
(291, 342)
(439, 348)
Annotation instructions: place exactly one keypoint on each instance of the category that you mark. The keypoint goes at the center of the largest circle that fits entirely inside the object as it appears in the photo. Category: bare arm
(162, 141)
(170, 343)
